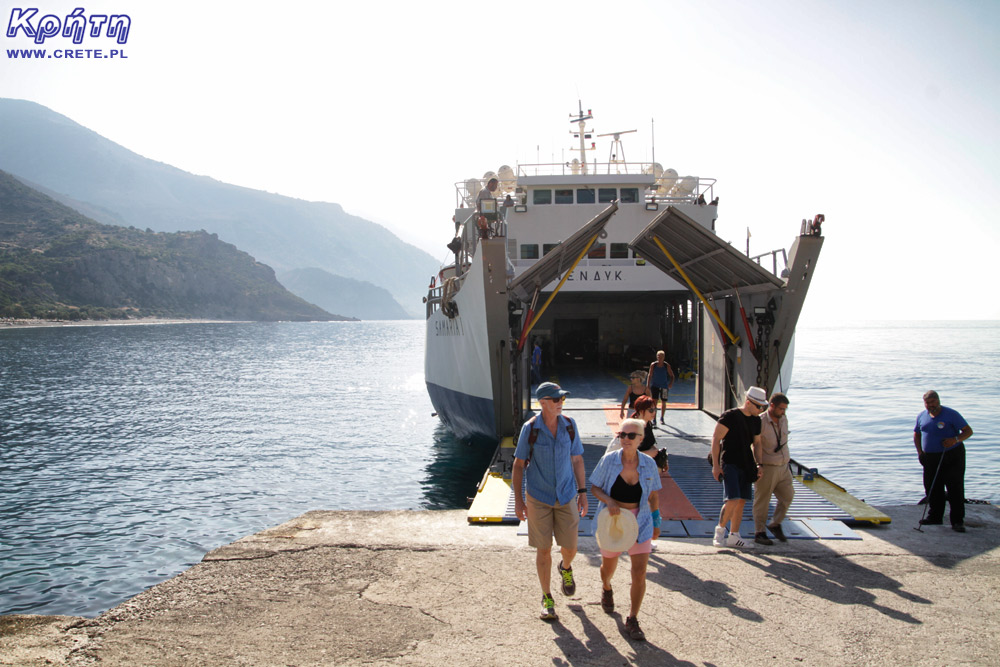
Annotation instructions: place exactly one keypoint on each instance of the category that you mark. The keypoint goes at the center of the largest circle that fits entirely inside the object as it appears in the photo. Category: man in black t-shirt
(736, 450)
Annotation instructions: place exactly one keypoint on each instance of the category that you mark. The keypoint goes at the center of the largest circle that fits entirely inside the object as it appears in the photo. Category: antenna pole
(652, 136)
(581, 121)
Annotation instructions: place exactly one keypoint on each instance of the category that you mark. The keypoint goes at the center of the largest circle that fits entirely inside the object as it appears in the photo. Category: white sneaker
(734, 540)
(720, 537)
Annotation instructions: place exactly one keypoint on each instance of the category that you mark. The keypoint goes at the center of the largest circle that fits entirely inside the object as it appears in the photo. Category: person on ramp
(549, 457)
(736, 449)
(775, 476)
(659, 380)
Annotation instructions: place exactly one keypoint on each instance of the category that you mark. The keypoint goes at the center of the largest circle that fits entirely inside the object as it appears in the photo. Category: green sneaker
(568, 585)
(548, 608)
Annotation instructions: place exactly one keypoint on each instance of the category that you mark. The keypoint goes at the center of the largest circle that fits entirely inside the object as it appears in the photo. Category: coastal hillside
(113, 185)
(342, 295)
(56, 263)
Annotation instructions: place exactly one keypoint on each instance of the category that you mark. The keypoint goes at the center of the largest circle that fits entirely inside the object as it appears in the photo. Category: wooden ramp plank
(857, 509)
(490, 503)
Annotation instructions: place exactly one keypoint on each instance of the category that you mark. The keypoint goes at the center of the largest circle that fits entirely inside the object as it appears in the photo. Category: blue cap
(549, 390)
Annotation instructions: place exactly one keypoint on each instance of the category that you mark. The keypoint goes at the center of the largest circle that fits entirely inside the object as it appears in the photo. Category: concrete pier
(426, 588)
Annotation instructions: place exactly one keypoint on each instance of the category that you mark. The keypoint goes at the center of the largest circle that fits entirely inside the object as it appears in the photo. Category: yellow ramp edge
(490, 503)
(860, 510)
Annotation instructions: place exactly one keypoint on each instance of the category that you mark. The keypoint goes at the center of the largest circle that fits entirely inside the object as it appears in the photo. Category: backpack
(533, 435)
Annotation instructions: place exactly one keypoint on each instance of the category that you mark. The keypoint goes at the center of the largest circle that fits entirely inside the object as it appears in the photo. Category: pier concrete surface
(426, 588)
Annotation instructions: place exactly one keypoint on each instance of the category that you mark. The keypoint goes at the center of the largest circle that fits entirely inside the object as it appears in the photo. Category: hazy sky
(881, 115)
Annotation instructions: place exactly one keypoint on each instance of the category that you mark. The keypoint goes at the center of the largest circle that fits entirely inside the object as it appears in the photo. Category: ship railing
(575, 169)
(773, 254)
(587, 261)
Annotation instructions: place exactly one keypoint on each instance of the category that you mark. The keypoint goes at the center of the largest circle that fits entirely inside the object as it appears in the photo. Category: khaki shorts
(544, 521)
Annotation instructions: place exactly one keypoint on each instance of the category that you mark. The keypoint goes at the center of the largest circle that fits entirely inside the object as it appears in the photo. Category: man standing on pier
(938, 437)
(775, 477)
(735, 452)
(549, 455)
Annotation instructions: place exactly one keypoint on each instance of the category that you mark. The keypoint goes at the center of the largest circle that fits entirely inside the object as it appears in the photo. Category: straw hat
(616, 533)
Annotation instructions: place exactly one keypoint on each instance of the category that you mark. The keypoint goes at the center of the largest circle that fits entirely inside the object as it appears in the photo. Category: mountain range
(114, 185)
(56, 263)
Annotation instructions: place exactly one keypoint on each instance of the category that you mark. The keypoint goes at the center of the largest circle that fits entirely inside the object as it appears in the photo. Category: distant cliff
(54, 262)
(113, 185)
(342, 295)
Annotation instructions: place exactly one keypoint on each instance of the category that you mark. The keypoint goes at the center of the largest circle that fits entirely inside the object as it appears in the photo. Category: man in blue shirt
(938, 437)
(549, 456)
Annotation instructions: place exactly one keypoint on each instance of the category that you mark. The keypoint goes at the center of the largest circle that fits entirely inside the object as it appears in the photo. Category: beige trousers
(775, 480)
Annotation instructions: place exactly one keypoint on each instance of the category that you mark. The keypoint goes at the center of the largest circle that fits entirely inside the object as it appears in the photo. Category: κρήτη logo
(76, 25)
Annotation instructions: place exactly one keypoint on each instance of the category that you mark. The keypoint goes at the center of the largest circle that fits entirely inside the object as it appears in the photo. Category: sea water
(128, 452)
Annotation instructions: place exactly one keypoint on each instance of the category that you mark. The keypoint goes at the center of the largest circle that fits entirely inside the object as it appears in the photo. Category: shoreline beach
(34, 323)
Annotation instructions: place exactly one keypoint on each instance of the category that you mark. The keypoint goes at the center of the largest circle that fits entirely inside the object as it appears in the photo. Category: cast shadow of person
(836, 579)
(595, 648)
(708, 592)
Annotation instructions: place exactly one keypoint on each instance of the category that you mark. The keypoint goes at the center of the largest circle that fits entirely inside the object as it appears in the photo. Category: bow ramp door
(561, 258)
(713, 266)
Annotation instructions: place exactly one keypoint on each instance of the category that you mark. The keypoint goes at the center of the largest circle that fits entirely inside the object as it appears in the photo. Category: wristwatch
(581, 490)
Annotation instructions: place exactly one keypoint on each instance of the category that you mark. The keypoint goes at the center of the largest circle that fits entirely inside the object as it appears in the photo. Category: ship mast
(581, 119)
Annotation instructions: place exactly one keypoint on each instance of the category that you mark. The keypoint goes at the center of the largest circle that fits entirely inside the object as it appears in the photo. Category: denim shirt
(607, 471)
(549, 477)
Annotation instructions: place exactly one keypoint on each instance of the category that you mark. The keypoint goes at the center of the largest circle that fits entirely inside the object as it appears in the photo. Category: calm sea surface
(127, 452)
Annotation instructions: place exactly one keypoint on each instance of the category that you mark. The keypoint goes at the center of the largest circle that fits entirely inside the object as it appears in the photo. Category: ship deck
(690, 500)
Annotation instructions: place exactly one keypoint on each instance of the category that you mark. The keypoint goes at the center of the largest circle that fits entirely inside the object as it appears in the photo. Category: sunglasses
(629, 436)
(555, 400)
(759, 405)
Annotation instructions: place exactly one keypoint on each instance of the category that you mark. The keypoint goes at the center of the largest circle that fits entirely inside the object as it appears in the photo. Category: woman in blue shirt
(624, 480)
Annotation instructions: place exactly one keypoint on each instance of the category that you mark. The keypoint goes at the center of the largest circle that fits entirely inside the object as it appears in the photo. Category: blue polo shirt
(549, 476)
(933, 430)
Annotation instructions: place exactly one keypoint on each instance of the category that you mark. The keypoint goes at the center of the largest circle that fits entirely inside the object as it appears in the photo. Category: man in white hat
(736, 449)
(549, 455)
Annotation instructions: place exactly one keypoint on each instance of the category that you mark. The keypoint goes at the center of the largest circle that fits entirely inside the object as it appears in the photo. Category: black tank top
(623, 492)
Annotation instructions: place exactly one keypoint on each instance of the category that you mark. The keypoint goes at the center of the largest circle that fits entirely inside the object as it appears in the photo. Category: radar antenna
(581, 118)
(617, 155)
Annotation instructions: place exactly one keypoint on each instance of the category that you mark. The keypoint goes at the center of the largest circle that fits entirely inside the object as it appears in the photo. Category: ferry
(602, 264)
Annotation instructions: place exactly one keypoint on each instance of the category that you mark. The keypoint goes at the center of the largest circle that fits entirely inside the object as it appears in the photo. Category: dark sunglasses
(629, 436)
(555, 400)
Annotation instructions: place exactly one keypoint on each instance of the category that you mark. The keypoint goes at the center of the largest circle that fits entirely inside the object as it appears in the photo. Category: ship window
(630, 195)
(585, 196)
(599, 251)
(546, 247)
(564, 196)
(619, 251)
(607, 195)
(529, 251)
(541, 197)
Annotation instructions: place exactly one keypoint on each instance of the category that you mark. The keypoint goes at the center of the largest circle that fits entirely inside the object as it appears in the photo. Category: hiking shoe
(633, 629)
(607, 601)
(931, 522)
(778, 532)
(548, 608)
(568, 585)
(734, 540)
(762, 538)
(958, 527)
(720, 537)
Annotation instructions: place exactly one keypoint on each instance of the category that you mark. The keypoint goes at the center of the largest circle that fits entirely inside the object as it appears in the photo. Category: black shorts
(657, 391)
